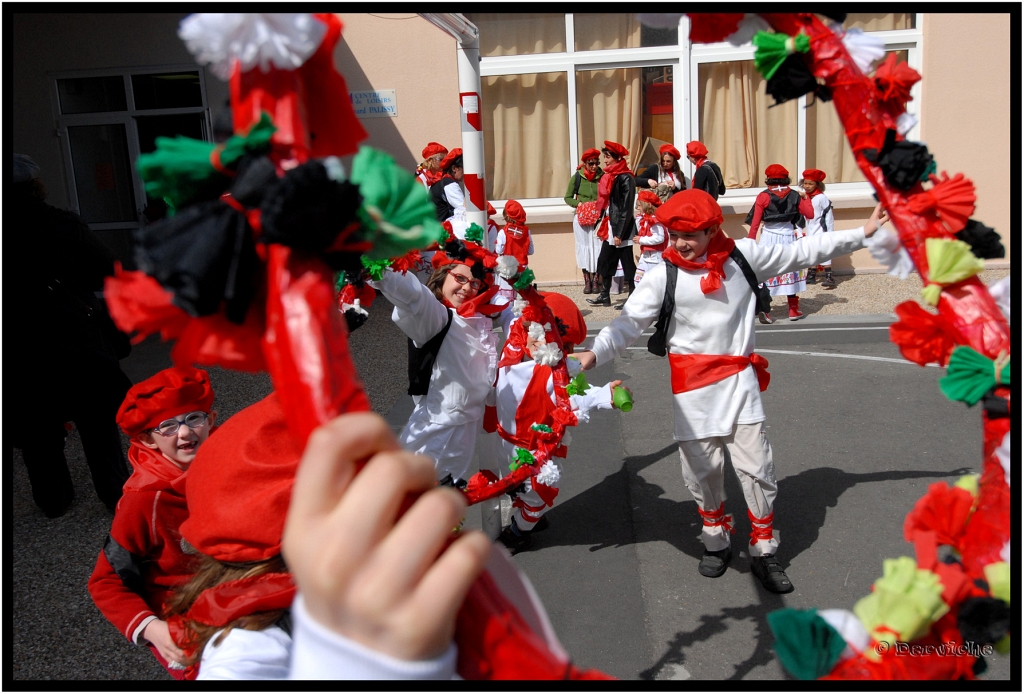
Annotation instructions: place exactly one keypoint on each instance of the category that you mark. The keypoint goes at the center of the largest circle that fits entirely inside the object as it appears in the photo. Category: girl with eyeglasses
(453, 355)
(168, 417)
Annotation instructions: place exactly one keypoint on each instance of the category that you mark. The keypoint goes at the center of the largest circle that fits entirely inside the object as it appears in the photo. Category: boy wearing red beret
(167, 417)
(706, 325)
(813, 183)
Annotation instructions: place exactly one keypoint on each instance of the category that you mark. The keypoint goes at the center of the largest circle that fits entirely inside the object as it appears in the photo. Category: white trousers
(450, 447)
(703, 462)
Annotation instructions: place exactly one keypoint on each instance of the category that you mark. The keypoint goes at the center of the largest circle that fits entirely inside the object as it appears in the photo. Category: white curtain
(608, 107)
(519, 34)
(595, 32)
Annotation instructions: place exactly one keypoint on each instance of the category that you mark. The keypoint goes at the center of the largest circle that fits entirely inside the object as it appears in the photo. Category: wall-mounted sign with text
(377, 104)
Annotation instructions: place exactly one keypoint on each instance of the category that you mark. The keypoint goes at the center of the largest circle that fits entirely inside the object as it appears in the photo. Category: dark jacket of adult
(708, 177)
(444, 208)
(622, 223)
(652, 172)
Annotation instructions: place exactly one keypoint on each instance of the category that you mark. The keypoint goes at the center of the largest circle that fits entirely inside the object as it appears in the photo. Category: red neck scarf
(644, 225)
(700, 162)
(779, 191)
(817, 191)
(604, 188)
(478, 304)
(582, 168)
(153, 472)
(718, 250)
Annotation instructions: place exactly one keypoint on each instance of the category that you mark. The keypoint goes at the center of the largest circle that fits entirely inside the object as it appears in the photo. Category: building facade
(92, 91)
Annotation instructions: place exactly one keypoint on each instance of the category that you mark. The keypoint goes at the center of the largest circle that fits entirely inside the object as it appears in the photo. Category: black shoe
(765, 318)
(540, 525)
(618, 306)
(514, 539)
(829, 281)
(60, 509)
(812, 275)
(603, 299)
(713, 564)
(769, 571)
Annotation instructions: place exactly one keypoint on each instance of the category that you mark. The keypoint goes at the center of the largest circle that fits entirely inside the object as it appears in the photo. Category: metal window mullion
(681, 120)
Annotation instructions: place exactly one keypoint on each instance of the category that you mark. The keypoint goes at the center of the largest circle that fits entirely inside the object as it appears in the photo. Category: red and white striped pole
(472, 130)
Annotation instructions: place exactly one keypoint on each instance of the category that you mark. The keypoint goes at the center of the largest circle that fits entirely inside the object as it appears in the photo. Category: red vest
(517, 242)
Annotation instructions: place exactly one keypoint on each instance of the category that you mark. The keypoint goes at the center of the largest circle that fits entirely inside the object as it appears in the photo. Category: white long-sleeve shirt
(457, 199)
(721, 323)
(501, 239)
(656, 237)
(466, 362)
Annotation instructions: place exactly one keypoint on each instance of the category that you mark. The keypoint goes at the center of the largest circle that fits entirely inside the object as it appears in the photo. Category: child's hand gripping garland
(242, 274)
(955, 591)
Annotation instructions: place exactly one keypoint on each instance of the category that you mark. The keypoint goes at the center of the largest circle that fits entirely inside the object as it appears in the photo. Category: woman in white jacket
(453, 358)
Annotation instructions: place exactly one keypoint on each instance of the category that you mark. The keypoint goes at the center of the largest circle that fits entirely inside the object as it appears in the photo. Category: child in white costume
(650, 234)
(716, 377)
(524, 395)
(813, 183)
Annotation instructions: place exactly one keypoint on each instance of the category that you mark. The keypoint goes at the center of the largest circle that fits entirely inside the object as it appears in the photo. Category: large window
(106, 119)
(555, 85)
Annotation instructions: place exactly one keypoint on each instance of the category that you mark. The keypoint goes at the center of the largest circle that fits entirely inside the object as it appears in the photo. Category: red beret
(650, 196)
(669, 149)
(590, 154)
(566, 310)
(689, 210)
(450, 157)
(616, 148)
(240, 485)
(514, 211)
(433, 148)
(814, 175)
(696, 149)
(490, 210)
(174, 391)
(776, 171)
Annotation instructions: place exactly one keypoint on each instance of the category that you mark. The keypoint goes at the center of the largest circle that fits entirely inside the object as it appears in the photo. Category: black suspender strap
(421, 359)
(657, 345)
(764, 297)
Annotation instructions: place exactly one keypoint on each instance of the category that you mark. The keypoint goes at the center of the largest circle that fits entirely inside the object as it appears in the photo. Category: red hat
(173, 391)
(616, 148)
(776, 171)
(650, 196)
(590, 154)
(696, 149)
(450, 157)
(814, 175)
(514, 211)
(689, 210)
(490, 209)
(240, 485)
(669, 149)
(433, 148)
(568, 313)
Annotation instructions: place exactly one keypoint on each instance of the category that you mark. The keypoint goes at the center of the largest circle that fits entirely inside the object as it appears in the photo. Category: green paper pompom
(969, 375)
(475, 233)
(397, 214)
(931, 170)
(526, 278)
(906, 601)
(807, 646)
(544, 428)
(375, 268)
(180, 171)
(521, 457)
(773, 49)
(577, 386)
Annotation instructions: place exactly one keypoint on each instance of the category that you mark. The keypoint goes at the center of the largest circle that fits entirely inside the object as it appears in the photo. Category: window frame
(685, 59)
(127, 119)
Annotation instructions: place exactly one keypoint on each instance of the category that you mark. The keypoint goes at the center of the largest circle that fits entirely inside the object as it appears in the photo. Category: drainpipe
(468, 56)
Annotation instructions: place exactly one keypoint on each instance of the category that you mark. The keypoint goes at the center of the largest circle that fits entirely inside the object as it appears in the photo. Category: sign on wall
(376, 104)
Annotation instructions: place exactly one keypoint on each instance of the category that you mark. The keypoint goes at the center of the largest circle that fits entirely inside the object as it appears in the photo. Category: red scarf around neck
(718, 251)
(582, 168)
(645, 222)
(604, 188)
(700, 162)
(152, 471)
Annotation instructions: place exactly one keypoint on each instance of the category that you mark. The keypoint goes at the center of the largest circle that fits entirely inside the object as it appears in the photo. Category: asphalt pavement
(858, 435)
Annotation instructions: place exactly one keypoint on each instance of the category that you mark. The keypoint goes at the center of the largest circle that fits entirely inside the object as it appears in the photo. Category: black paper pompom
(793, 79)
(355, 319)
(983, 620)
(902, 163)
(306, 209)
(984, 241)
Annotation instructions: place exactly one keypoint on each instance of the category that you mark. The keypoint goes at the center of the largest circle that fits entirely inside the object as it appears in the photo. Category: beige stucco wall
(71, 41)
(965, 107)
(404, 52)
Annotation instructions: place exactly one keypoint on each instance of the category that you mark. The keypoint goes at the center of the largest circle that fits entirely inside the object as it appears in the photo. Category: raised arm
(418, 313)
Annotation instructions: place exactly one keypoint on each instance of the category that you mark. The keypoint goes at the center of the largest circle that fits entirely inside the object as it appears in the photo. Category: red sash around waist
(693, 371)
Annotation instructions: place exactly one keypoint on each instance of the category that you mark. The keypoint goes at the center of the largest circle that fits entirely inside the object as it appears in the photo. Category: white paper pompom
(850, 628)
(548, 355)
(518, 305)
(567, 438)
(863, 48)
(536, 332)
(549, 474)
(905, 123)
(1003, 454)
(284, 40)
(573, 365)
(508, 267)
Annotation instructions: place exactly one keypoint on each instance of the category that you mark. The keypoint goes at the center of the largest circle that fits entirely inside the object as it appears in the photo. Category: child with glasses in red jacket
(167, 417)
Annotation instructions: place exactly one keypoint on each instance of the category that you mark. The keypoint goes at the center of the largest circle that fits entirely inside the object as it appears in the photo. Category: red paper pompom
(713, 27)
(944, 510)
(923, 337)
(138, 304)
(952, 199)
(894, 79)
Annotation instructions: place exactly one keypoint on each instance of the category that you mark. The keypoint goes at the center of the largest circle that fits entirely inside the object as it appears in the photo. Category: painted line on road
(764, 331)
(824, 354)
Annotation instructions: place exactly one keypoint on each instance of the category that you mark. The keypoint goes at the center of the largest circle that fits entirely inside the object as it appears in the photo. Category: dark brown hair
(211, 573)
